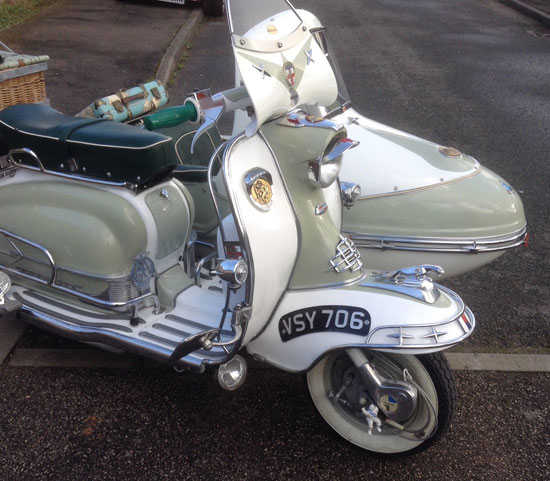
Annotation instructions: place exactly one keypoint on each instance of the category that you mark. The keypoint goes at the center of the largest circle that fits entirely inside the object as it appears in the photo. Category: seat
(96, 148)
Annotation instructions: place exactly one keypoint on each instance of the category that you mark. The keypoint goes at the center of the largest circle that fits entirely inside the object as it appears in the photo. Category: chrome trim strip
(439, 344)
(476, 168)
(243, 236)
(440, 244)
(53, 173)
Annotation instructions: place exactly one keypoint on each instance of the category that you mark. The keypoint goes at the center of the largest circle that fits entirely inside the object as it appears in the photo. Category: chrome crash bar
(51, 279)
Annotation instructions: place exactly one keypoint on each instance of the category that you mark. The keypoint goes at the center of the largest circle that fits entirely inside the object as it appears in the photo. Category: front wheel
(341, 398)
(213, 8)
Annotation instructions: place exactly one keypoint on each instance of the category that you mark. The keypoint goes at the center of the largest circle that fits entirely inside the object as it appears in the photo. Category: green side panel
(172, 218)
(170, 284)
(319, 236)
(85, 229)
(479, 206)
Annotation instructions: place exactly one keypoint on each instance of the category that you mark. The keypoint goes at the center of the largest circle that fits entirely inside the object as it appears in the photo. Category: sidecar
(425, 203)
(411, 201)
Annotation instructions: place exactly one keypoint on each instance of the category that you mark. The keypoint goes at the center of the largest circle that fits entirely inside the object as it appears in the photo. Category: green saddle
(95, 148)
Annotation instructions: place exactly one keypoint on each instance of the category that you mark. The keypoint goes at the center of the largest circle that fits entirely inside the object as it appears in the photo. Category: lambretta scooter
(97, 239)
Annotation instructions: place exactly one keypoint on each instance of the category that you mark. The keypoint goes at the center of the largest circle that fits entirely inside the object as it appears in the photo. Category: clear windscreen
(342, 101)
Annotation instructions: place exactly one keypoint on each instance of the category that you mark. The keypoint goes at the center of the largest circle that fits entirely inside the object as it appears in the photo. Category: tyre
(430, 420)
(213, 8)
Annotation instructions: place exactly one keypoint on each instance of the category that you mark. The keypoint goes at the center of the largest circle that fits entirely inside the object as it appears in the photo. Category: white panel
(385, 310)
(272, 234)
(382, 166)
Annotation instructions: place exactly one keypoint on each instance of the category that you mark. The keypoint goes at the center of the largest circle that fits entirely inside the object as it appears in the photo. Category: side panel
(271, 236)
(300, 333)
(84, 228)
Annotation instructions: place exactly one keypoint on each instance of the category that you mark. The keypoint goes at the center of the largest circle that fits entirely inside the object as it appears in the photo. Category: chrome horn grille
(347, 257)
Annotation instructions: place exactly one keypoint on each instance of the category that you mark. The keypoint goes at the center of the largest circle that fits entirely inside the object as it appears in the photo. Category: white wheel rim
(353, 429)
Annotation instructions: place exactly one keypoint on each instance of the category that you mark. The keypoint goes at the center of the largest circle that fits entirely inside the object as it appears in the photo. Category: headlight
(325, 169)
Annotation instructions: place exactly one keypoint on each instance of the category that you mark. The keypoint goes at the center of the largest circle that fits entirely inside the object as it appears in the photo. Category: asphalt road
(468, 75)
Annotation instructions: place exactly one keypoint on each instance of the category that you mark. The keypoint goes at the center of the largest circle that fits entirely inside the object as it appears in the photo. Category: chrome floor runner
(154, 336)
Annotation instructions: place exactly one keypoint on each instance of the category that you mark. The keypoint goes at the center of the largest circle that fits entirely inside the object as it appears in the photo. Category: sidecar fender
(308, 324)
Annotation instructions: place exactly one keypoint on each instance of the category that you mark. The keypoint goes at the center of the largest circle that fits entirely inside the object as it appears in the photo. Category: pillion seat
(101, 149)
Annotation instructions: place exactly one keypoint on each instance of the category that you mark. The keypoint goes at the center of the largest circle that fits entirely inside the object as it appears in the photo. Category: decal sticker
(388, 403)
(346, 319)
(290, 73)
(272, 29)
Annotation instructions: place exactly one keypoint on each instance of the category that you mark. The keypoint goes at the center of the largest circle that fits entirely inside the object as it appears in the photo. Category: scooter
(98, 244)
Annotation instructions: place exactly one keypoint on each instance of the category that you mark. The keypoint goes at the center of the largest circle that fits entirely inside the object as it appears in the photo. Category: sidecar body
(425, 203)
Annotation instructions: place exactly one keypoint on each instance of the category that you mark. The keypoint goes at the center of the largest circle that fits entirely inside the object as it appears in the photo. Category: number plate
(352, 320)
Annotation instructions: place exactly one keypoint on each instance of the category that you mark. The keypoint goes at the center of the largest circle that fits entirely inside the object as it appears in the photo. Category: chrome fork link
(336, 398)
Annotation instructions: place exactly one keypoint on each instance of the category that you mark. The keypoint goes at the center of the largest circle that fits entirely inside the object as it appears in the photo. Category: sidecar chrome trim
(40, 168)
(476, 169)
(440, 244)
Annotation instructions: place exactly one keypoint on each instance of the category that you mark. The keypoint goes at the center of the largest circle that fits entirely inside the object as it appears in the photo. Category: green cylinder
(171, 117)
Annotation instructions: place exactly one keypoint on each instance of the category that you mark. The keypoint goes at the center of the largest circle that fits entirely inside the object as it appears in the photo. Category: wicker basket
(21, 77)
(23, 89)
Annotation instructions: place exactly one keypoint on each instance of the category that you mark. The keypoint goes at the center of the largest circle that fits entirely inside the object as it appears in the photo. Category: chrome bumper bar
(440, 244)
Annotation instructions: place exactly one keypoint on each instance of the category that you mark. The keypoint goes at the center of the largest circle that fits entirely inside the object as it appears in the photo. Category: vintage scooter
(97, 243)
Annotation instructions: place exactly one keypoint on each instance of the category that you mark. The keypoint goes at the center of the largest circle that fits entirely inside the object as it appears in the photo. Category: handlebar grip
(171, 117)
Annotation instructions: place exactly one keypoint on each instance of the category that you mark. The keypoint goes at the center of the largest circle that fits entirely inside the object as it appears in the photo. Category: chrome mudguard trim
(440, 244)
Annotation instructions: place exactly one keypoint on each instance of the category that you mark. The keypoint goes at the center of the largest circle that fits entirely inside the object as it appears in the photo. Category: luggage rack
(51, 279)
(14, 164)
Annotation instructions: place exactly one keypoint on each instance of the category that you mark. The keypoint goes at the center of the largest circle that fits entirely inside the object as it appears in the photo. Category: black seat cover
(100, 148)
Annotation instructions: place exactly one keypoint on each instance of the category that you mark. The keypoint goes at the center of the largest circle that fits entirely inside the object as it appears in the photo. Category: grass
(15, 11)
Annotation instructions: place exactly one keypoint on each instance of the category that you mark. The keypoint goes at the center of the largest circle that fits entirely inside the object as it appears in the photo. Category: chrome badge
(259, 184)
(290, 73)
(143, 271)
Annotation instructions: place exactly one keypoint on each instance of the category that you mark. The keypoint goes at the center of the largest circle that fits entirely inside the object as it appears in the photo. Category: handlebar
(171, 117)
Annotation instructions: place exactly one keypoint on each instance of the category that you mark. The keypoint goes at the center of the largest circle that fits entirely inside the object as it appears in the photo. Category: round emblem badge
(258, 183)
(272, 29)
(388, 403)
(261, 192)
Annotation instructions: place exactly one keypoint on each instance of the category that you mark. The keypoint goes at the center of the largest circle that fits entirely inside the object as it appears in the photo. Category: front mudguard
(396, 322)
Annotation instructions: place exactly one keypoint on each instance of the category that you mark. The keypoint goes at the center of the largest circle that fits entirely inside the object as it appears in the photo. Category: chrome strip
(243, 236)
(402, 345)
(440, 244)
(476, 168)
(42, 170)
